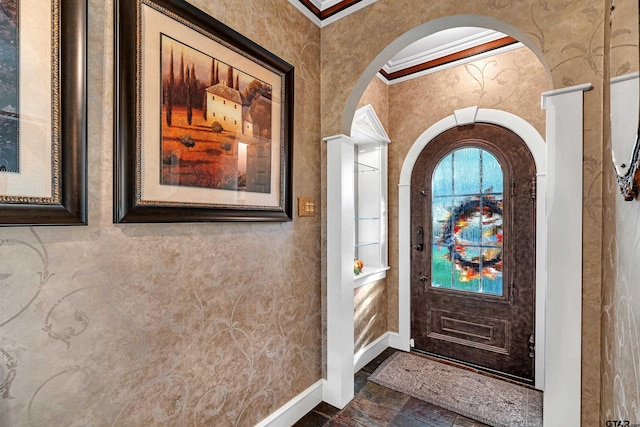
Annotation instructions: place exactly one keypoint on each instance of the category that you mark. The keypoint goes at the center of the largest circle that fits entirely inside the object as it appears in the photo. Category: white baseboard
(296, 408)
(371, 351)
(300, 405)
(394, 341)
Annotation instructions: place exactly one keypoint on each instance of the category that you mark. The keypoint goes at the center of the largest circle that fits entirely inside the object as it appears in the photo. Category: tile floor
(375, 405)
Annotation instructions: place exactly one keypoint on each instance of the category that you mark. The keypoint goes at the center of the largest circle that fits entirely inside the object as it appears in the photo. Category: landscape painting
(216, 122)
(9, 144)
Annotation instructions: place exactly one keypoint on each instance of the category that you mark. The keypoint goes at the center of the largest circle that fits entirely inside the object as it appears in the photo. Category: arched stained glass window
(467, 198)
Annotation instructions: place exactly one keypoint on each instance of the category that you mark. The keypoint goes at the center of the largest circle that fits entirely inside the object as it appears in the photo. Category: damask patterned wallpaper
(621, 310)
(193, 323)
(568, 35)
(167, 324)
(621, 279)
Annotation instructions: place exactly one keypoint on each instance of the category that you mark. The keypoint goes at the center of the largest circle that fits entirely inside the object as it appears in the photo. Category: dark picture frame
(67, 202)
(161, 140)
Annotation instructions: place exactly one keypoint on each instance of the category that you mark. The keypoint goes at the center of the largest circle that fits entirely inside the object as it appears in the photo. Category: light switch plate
(306, 206)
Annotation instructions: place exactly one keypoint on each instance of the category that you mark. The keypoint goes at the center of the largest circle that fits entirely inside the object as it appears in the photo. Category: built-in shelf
(370, 194)
(363, 168)
(363, 244)
(369, 276)
(356, 229)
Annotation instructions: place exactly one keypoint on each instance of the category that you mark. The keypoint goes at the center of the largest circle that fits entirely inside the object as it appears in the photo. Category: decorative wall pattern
(621, 312)
(569, 34)
(377, 94)
(221, 323)
(621, 291)
(174, 324)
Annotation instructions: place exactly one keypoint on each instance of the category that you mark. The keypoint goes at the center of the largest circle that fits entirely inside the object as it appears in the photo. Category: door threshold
(475, 368)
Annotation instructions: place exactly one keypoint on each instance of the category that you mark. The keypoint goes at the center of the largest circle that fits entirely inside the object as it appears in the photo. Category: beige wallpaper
(166, 324)
(624, 38)
(569, 34)
(370, 313)
(220, 324)
(621, 293)
(621, 311)
(377, 94)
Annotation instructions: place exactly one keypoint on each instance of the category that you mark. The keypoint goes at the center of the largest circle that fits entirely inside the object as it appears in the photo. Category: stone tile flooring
(375, 405)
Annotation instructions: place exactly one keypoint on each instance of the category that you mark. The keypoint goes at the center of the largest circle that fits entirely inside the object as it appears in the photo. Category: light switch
(306, 206)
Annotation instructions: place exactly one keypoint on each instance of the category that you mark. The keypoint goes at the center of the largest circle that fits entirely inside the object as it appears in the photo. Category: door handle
(419, 247)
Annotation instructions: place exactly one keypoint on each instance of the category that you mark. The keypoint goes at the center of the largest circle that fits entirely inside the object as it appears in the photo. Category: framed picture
(203, 119)
(43, 112)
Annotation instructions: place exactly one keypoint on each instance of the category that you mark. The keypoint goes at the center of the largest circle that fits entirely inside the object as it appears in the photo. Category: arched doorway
(537, 147)
(561, 224)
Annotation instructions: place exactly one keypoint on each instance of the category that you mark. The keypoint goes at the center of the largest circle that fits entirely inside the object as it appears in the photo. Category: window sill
(370, 276)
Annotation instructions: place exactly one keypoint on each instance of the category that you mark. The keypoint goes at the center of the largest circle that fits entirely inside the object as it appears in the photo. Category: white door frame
(558, 242)
(537, 146)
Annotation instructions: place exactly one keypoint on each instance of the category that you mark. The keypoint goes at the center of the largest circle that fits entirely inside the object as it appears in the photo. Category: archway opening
(530, 133)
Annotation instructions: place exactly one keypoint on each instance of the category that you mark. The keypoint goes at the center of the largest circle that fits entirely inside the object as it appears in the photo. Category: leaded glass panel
(467, 229)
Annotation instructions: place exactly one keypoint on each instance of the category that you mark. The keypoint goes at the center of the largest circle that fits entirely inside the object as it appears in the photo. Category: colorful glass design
(467, 229)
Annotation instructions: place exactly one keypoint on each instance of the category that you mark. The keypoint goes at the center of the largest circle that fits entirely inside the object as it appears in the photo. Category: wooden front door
(473, 250)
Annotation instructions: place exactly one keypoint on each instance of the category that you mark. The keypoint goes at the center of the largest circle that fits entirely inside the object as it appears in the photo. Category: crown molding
(401, 62)
(425, 69)
(325, 12)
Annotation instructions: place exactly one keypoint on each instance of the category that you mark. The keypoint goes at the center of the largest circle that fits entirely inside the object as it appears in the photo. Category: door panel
(473, 216)
(470, 330)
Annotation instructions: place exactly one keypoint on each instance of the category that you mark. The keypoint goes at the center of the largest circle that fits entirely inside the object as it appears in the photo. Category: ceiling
(433, 53)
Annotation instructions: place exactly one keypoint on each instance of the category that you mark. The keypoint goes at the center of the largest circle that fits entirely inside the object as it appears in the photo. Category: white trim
(306, 12)
(466, 116)
(394, 340)
(452, 64)
(296, 408)
(551, 93)
(333, 18)
(367, 123)
(370, 352)
(625, 77)
(423, 30)
(439, 45)
(537, 146)
(562, 396)
(338, 390)
(370, 276)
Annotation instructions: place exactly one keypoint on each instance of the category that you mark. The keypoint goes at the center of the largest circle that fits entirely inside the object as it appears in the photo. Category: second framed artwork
(203, 120)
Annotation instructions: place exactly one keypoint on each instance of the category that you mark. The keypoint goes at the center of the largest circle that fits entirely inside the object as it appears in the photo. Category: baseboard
(394, 341)
(300, 405)
(296, 408)
(371, 351)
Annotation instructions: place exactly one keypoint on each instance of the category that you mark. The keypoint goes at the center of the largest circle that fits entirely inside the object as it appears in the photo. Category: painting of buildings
(216, 133)
(225, 324)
